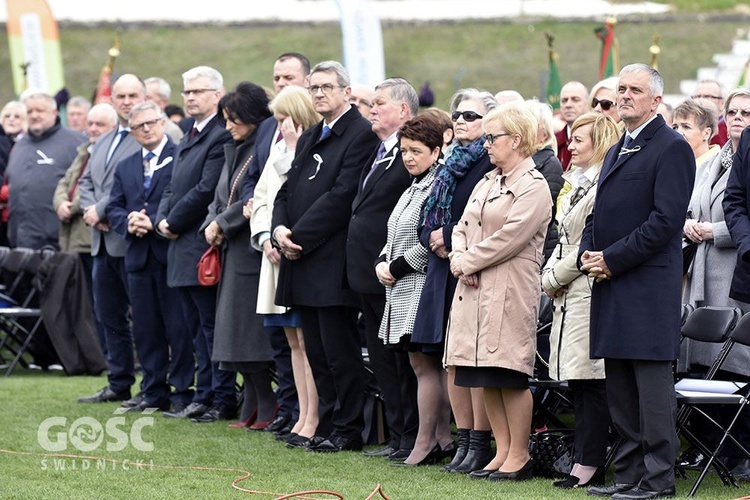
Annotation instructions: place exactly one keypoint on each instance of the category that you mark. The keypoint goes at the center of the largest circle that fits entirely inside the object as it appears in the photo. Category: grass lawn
(30, 398)
(491, 55)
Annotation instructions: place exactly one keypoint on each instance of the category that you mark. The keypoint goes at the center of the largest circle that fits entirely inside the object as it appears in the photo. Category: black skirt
(490, 376)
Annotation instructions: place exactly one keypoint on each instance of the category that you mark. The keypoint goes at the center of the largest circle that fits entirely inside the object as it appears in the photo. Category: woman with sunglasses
(604, 98)
(465, 164)
(592, 134)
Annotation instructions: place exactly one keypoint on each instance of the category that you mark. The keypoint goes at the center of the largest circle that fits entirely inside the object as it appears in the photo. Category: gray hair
(32, 94)
(656, 83)
(215, 80)
(738, 92)
(163, 89)
(715, 82)
(402, 91)
(470, 94)
(543, 113)
(342, 75)
(145, 106)
(79, 102)
(106, 110)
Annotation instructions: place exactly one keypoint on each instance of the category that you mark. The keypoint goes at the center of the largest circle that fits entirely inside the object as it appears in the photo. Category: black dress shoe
(575, 482)
(692, 458)
(433, 457)
(380, 452)
(216, 413)
(278, 423)
(641, 494)
(608, 491)
(481, 473)
(145, 405)
(105, 395)
(742, 470)
(522, 474)
(334, 444)
(134, 401)
(399, 455)
(294, 440)
(190, 411)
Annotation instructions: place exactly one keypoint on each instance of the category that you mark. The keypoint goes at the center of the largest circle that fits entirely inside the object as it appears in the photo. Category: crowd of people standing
(438, 231)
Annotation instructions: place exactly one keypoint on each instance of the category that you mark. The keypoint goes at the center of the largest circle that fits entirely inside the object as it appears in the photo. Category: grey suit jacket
(96, 184)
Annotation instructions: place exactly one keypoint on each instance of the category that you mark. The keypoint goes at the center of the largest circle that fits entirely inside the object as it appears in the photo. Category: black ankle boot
(480, 453)
(461, 451)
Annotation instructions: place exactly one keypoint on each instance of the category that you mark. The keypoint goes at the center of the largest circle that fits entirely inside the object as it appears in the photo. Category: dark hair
(174, 109)
(425, 129)
(247, 103)
(296, 55)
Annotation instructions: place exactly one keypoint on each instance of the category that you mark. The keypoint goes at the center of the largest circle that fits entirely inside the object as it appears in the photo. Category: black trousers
(335, 356)
(592, 421)
(395, 376)
(643, 406)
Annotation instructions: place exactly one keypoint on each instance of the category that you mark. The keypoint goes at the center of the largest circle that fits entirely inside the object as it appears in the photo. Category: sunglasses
(604, 103)
(469, 116)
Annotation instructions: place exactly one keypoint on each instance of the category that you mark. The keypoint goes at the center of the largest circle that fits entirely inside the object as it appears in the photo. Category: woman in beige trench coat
(592, 134)
(497, 256)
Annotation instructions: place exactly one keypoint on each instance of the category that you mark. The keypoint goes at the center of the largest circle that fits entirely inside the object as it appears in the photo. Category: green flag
(554, 86)
(608, 60)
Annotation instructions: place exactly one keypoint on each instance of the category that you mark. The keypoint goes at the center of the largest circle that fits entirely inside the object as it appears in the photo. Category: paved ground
(326, 10)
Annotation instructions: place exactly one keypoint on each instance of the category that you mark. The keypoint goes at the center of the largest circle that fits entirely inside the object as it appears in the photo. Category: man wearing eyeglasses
(310, 219)
(183, 208)
(163, 347)
(714, 92)
(573, 103)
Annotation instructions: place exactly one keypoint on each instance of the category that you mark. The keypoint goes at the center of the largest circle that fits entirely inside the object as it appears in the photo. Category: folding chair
(692, 394)
(15, 337)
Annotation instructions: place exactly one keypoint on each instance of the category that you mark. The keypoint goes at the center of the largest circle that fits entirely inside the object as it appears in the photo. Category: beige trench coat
(569, 338)
(500, 238)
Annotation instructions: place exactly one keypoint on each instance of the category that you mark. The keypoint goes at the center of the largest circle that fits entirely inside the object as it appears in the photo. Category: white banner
(363, 42)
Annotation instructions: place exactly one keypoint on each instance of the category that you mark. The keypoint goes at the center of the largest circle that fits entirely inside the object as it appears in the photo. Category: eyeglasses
(469, 116)
(604, 103)
(196, 92)
(731, 113)
(150, 124)
(327, 88)
(707, 96)
(490, 138)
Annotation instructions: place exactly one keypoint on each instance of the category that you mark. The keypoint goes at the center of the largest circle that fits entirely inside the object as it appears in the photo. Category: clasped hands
(213, 234)
(594, 263)
(698, 232)
(289, 249)
(471, 280)
(437, 244)
(383, 272)
(139, 224)
(91, 218)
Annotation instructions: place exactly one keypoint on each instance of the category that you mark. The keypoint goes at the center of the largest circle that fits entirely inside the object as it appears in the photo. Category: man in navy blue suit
(632, 246)
(163, 343)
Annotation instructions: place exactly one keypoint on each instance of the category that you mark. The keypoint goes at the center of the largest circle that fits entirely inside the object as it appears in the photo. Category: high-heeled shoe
(575, 482)
(433, 457)
(245, 423)
(521, 474)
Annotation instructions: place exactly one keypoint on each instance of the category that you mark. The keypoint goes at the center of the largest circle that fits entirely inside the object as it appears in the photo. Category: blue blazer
(736, 206)
(641, 202)
(264, 139)
(128, 195)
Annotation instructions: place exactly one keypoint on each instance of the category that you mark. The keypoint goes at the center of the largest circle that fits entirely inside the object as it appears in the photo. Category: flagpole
(655, 50)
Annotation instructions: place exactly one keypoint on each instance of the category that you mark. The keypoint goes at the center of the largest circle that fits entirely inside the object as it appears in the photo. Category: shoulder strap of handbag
(237, 180)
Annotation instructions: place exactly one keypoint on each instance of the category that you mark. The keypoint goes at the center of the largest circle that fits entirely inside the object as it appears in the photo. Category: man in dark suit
(290, 69)
(183, 208)
(574, 101)
(111, 301)
(161, 340)
(632, 246)
(381, 183)
(310, 220)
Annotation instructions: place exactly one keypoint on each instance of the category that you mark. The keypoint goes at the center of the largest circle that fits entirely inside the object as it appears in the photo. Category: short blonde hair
(604, 133)
(543, 113)
(296, 102)
(517, 119)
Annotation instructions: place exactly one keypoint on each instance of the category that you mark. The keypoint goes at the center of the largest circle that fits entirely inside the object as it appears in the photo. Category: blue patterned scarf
(437, 207)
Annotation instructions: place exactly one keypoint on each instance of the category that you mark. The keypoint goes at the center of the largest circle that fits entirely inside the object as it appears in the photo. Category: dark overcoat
(641, 202)
(736, 206)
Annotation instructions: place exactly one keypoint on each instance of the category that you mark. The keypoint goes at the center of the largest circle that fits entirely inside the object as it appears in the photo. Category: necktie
(325, 133)
(193, 133)
(116, 141)
(379, 156)
(628, 142)
(147, 170)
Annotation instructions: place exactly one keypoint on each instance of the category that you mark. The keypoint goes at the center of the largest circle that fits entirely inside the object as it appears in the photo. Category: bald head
(574, 101)
(508, 96)
(127, 91)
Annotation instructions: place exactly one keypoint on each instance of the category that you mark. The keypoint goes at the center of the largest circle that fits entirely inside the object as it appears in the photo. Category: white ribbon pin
(317, 158)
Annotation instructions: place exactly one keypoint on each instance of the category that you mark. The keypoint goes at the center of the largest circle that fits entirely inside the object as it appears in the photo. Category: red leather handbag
(209, 267)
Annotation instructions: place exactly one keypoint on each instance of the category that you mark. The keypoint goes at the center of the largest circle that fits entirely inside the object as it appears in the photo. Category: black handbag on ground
(552, 451)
